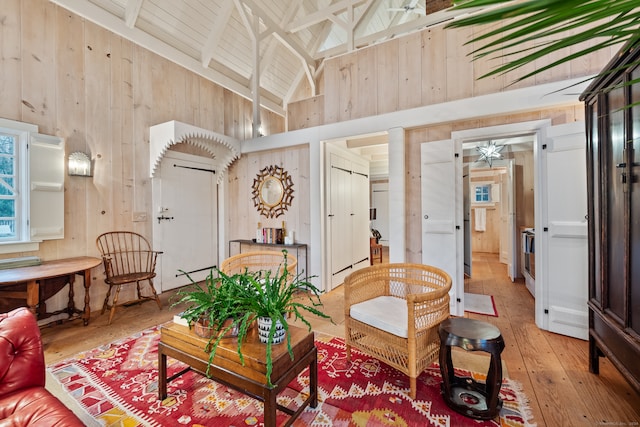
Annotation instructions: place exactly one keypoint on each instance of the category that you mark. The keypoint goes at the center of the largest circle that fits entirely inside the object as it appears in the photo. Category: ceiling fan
(409, 7)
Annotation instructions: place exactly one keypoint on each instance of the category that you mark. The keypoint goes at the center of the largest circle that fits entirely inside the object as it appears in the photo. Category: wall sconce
(79, 164)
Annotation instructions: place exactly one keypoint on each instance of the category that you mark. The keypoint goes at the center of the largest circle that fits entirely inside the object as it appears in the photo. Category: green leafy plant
(246, 296)
(279, 295)
(213, 301)
(533, 29)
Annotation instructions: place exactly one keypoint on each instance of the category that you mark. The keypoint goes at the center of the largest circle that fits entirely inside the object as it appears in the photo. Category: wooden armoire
(613, 180)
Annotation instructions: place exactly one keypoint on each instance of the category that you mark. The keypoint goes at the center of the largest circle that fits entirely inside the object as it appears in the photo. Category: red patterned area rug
(116, 385)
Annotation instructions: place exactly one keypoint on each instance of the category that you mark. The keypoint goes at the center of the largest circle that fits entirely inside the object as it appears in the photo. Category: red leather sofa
(23, 399)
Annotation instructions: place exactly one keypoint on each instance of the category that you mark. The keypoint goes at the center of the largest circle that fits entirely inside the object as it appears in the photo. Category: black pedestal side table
(466, 395)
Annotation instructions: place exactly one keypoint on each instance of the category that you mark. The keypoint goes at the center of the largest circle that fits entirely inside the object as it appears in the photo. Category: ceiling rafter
(217, 29)
(131, 12)
(278, 32)
(322, 15)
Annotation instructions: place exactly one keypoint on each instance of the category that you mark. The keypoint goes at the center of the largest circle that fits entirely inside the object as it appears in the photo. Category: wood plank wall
(433, 63)
(101, 93)
(427, 67)
(243, 217)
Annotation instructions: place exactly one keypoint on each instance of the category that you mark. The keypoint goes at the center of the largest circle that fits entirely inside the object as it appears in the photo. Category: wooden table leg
(162, 374)
(313, 379)
(87, 306)
(33, 296)
(270, 408)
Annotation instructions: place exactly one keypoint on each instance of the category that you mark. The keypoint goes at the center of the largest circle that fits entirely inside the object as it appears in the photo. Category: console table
(37, 283)
(297, 247)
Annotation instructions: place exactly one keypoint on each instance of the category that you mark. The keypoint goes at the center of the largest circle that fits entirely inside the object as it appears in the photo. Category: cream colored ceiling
(276, 45)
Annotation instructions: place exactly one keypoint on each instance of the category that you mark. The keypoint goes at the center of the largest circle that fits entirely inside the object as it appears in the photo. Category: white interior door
(359, 215)
(186, 217)
(561, 234)
(442, 236)
(380, 201)
(508, 234)
(466, 212)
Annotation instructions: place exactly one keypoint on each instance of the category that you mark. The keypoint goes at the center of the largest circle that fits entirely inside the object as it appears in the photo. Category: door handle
(164, 218)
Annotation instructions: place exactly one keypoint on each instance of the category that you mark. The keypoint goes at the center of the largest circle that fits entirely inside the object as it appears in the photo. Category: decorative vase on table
(203, 328)
(264, 326)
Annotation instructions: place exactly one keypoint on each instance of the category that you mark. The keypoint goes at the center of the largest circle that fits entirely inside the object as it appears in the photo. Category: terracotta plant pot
(204, 330)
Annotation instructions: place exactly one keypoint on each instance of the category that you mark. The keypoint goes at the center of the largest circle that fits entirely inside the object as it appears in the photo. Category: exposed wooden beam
(407, 27)
(217, 30)
(322, 15)
(280, 33)
(131, 12)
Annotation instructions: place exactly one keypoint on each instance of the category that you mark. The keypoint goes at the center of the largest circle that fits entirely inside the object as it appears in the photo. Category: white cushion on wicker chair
(384, 312)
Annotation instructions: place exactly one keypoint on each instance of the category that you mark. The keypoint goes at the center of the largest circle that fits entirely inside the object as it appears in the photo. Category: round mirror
(271, 191)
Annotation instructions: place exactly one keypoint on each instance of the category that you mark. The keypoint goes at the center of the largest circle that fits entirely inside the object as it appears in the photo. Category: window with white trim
(483, 194)
(31, 186)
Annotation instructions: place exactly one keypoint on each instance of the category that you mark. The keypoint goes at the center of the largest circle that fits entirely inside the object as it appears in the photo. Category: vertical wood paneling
(10, 60)
(243, 222)
(364, 99)
(348, 86)
(38, 65)
(434, 66)
(459, 82)
(410, 71)
(386, 75)
(494, 83)
(331, 97)
(122, 212)
(70, 108)
(445, 69)
(127, 133)
(97, 65)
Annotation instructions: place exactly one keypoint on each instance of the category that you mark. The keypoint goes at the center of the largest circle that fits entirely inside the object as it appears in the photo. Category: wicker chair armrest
(427, 296)
(424, 314)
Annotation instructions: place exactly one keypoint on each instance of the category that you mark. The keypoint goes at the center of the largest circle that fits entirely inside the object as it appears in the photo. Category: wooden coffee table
(181, 343)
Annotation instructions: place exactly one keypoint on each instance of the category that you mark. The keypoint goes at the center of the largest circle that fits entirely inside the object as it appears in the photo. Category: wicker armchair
(392, 312)
(258, 261)
(127, 259)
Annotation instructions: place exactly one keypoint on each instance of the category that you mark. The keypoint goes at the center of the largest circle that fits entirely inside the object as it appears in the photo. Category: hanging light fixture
(489, 152)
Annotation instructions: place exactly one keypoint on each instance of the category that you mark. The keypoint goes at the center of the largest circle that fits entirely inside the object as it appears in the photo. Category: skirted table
(466, 395)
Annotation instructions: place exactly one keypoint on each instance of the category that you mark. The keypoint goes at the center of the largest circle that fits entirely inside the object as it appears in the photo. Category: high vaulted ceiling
(272, 44)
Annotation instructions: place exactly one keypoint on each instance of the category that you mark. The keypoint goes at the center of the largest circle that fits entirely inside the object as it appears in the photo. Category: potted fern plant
(235, 302)
(211, 309)
(274, 297)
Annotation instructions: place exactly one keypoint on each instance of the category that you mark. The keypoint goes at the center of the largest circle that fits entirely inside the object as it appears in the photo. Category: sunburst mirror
(272, 191)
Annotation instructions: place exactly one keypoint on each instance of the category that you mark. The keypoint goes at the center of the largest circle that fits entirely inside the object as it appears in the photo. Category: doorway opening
(498, 200)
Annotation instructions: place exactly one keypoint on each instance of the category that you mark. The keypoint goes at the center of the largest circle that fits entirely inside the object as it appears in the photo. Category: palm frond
(534, 29)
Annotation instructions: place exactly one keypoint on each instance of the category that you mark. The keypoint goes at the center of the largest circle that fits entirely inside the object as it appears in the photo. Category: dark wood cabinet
(613, 181)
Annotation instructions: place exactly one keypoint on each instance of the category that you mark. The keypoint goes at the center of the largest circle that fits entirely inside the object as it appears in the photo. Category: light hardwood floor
(552, 369)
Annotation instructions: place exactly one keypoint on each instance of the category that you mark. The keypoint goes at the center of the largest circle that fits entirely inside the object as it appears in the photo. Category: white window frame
(40, 187)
